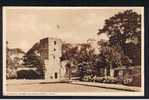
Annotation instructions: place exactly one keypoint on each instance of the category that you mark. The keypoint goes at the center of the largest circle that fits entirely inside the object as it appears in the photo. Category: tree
(31, 59)
(10, 68)
(124, 31)
(10, 65)
(81, 55)
(87, 59)
(68, 52)
(109, 57)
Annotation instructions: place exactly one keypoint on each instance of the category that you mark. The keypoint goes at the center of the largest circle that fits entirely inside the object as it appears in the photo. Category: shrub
(87, 78)
(111, 80)
(99, 79)
(133, 78)
(106, 80)
(11, 73)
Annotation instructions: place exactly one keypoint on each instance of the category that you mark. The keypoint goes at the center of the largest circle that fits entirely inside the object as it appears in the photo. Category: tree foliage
(31, 59)
(124, 31)
(81, 55)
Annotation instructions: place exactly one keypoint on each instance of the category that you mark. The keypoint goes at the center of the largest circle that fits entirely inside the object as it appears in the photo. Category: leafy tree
(87, 59)
(111, 57)
(69, 52)
(124, 31)
(31, 59)
(10, 65)
(81, 55)
(10, 68)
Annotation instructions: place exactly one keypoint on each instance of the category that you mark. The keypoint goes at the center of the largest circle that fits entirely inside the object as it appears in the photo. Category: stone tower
(51, 51)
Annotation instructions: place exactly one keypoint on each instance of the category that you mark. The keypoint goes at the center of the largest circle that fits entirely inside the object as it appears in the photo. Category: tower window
(54, 42)
(53, 57)
(55, 75)
(51, 77)
(54, 49)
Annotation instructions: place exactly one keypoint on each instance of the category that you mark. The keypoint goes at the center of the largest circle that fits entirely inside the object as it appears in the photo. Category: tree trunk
(111, 71)
(105, 72)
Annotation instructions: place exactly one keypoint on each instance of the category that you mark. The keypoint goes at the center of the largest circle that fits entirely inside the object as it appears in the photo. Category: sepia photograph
(73, 51)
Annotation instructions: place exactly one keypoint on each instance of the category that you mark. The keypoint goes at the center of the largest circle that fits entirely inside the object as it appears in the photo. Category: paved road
(55, 87)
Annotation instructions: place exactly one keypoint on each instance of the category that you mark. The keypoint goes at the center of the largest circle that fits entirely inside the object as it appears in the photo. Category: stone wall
(51, 51)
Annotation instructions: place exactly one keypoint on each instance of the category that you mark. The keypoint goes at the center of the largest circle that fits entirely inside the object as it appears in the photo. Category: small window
(53, 56)
(51, 77)
(54, 42)
(55, 75)
(54, 49)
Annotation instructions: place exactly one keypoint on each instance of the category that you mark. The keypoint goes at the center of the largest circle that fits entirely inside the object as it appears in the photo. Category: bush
(11, 73)
(99, 79)
(111, 80)
(133, 78)
(87, 78)
(106, 80)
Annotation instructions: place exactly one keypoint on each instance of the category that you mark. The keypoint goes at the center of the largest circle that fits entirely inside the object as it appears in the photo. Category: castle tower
(51, 51)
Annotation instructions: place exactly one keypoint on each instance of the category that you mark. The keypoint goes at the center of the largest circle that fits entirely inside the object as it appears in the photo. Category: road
(54, 87)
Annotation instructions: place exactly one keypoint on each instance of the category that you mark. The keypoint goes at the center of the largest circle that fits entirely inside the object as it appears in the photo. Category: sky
(24, 26)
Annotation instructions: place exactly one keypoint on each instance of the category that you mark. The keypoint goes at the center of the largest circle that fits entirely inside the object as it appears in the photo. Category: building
(50, 50)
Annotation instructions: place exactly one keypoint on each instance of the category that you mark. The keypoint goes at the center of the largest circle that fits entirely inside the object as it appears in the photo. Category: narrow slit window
(53, 57)
(54, 42)
(56, 76)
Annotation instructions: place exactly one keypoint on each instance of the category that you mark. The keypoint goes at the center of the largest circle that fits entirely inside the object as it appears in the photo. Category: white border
(73, 93)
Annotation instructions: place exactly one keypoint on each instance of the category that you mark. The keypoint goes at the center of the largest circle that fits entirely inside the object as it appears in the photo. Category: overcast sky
(26, 26)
